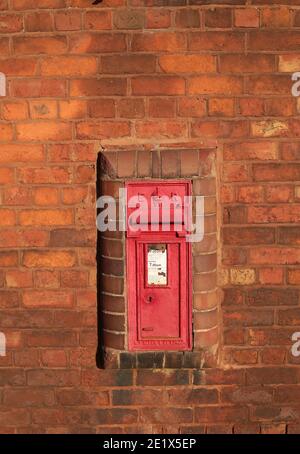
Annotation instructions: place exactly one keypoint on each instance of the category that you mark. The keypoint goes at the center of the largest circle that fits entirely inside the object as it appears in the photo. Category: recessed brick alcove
(115, 167)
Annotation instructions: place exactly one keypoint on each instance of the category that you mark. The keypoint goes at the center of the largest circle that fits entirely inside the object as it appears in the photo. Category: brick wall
(83, 79)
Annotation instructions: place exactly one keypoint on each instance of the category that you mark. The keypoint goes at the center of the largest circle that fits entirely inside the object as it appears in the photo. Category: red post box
(158, 266)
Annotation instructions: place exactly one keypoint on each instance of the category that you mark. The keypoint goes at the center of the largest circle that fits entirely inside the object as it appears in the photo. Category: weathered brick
(40, 45)
(55, 259)
(39, 22)
(98, 20)
(218, 18)
(69, 66)
(97, 43)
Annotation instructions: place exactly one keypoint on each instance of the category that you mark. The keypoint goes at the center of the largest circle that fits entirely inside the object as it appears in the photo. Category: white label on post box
(157, 264)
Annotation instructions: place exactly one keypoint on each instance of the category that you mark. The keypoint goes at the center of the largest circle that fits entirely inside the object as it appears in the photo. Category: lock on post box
(158, 266)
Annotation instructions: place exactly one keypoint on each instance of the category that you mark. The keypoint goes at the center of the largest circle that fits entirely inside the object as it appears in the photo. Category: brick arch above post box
(116, 166)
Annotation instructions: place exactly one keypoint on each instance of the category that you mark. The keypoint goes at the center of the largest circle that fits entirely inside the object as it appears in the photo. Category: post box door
(159, 304)
(159, 314)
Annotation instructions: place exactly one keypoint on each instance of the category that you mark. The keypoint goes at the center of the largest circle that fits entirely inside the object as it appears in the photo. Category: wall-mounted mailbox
(158, 266)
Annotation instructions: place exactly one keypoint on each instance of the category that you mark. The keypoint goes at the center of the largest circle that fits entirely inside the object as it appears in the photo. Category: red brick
(53, 377)
(273, 355)
(214, 129)
(98, 87)
(23, 238)
(19, 66)
(97, 43)
(18, 279)
(131, 64)
(47, 338)
(276, 172)
(218, 18)
(129, 19)
(21, 153)
(274, 40)
(250, 194)
(187, 18)
(251, 151)
(67, 20)
(41, 175)
(8, 299)
(40, 45)
(7, 217)
(253, 107)
(72, 279)
(36, 88)
(46, 217)
(279, 193)
(11, 23)
(158, 18)
(47, 298)
(245, 356)
(167, 129)
(4, 46)
(131, 108)
(221, 414)
(276, 17)
(15, 111)
(69, 66)
(272, 297)
(72, 109)
(25, 397)
(246, 17)
(235, 172)
(98, 20)
(161, 107)
(191, 63)
(167, 85)
(73, 196)
(6, 132)
(271, 276)
(283, 107)
(84, 174)
(239, 63)
(280, 213)
(50, 259)
(276, 256)
(191, 107)
(13, 417)
(39, 22)
(216, 41)
(160, 415)
(103, 109)
(46, 279)
(72, 237)
(46, 196)
(215, 85)
(46, 130)
(31, 4)
(269, 375)
(102, 130)
(17, 195)
(293, 277)
(221, 107)
(160, 41)
(266, 84)
(43, 110)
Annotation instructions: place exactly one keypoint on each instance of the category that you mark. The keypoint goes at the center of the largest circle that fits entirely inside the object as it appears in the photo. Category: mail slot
(158, 266)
